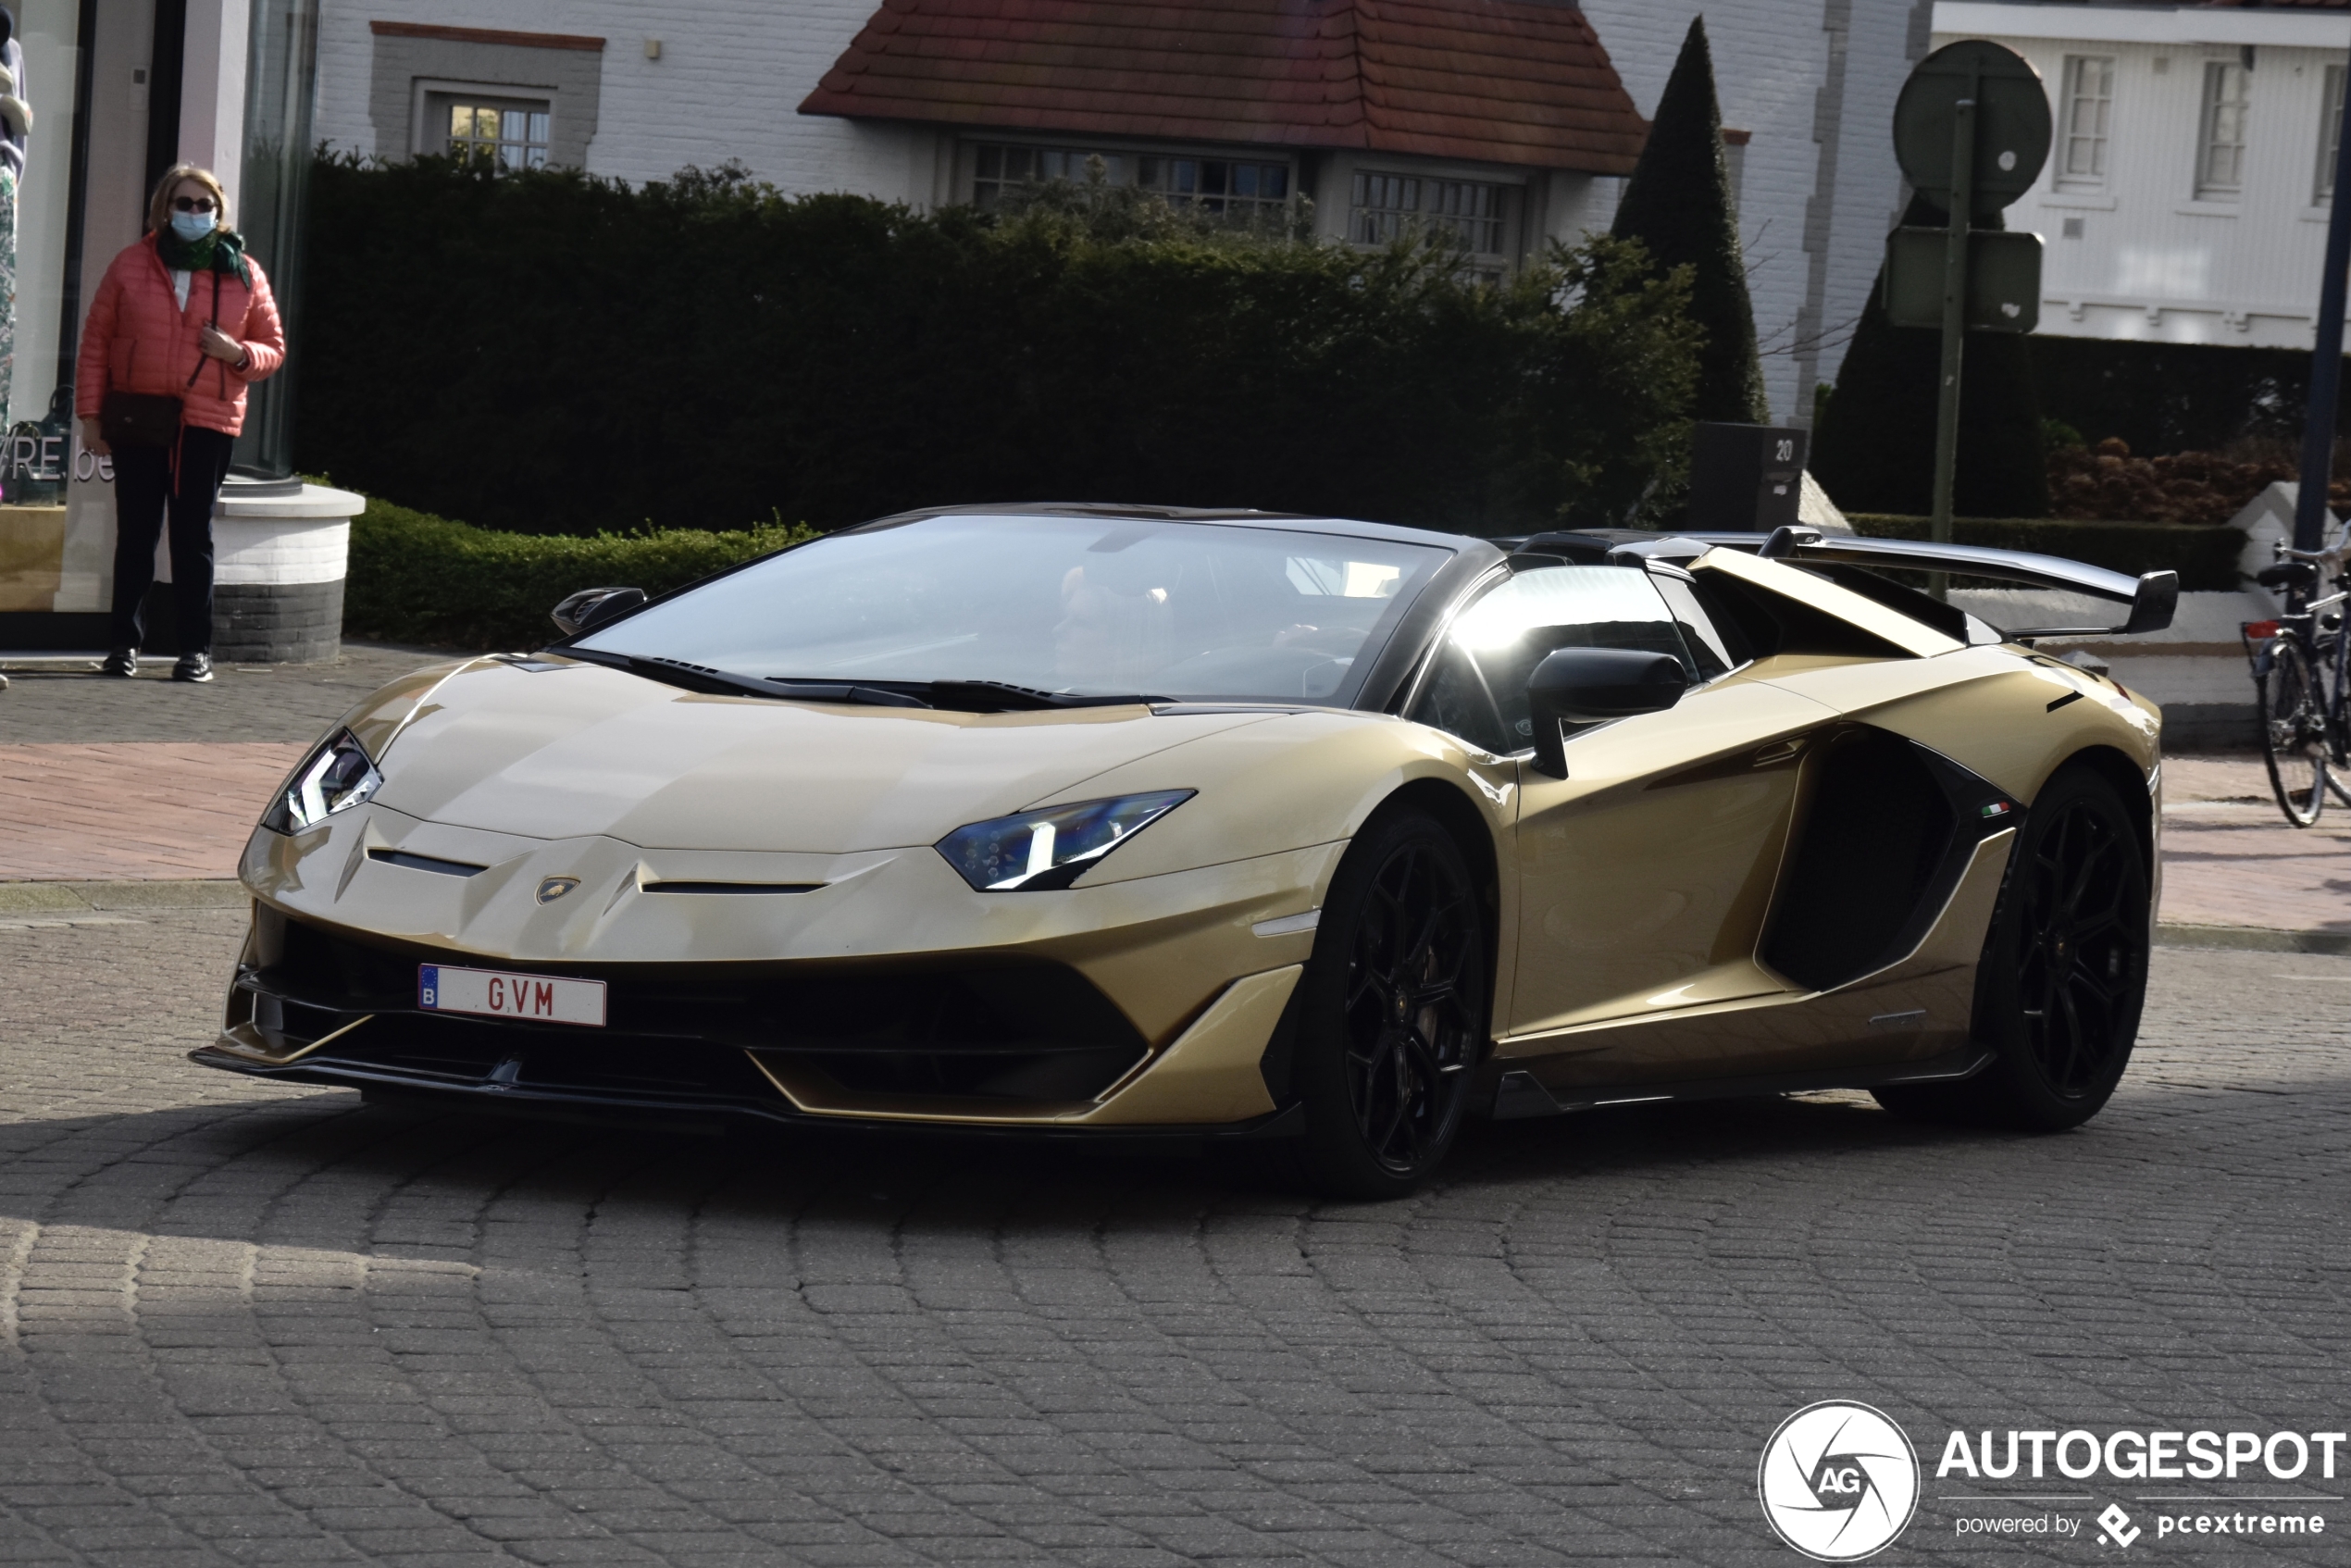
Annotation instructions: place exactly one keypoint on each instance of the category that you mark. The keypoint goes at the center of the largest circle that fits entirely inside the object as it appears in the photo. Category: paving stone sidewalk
(245, 1324)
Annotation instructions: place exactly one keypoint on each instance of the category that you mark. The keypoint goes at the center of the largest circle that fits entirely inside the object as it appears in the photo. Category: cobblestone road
(243, 1324)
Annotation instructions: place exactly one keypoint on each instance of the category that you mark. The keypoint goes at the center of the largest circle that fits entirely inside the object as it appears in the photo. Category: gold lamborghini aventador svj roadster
(1107, 822)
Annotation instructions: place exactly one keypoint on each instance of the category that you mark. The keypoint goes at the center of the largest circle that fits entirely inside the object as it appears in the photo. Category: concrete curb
(80, 898)
(2253, 939)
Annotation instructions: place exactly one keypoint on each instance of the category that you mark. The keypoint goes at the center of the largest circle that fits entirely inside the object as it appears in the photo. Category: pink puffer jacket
(138, 340)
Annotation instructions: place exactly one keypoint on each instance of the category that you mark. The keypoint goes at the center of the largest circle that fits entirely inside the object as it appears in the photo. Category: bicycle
(2302, 679)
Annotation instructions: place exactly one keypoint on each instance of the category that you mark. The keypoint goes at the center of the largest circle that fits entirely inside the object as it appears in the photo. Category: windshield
(1087, 607)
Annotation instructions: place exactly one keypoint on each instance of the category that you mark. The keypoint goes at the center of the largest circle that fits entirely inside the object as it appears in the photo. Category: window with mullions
(2082, 138)
(2220, 166)
(506, 134)
(1387, 206)
(1227, 187)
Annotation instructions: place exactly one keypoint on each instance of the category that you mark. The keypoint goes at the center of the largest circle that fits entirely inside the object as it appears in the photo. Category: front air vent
(426, 863)
(732, 886)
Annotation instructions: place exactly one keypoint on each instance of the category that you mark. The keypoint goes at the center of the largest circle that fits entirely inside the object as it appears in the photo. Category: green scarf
(223, 250)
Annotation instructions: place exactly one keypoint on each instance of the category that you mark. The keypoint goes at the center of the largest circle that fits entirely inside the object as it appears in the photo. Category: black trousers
(143, 493)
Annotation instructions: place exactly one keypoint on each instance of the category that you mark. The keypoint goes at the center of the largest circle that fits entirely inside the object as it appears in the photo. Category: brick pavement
(150, 778)
(137, 811)
(2230, 857)
(247, 1324)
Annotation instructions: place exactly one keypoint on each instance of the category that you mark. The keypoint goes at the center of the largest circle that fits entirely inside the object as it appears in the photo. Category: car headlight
(335, 777)
(1052, 846)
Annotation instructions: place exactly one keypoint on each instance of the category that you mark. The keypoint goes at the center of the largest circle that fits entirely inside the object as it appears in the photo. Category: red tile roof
(1510, 82)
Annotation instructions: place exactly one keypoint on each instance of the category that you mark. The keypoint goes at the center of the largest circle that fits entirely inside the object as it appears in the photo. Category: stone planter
(279, 563)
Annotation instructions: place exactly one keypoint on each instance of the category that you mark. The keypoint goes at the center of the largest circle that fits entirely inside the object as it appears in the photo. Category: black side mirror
(1592, 685)
(590, 607)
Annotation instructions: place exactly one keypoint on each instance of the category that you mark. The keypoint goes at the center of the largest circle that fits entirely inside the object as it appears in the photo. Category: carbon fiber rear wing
(2153, 596)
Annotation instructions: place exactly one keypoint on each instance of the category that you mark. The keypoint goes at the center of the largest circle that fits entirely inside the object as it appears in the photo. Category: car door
(1645, 876)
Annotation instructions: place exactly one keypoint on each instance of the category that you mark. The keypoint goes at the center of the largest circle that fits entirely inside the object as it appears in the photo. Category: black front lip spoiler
(648, 1111)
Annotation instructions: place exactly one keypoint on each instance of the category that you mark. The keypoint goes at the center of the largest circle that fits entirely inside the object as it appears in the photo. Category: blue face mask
(192, 226)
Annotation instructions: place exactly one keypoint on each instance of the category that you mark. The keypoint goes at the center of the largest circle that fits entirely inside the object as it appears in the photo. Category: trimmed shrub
(547, 350)
(2205, 557)
(418, 578)
(1678, 205)
(2187, 487)
(1874, 449)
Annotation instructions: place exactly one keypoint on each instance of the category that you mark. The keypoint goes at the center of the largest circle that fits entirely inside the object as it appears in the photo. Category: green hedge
(2205, 557)
(418, 578)
(546, 351)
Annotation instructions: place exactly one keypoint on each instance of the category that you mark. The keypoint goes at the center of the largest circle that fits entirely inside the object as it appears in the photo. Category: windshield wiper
(1003, 696)
(961, 696)
(725, 683)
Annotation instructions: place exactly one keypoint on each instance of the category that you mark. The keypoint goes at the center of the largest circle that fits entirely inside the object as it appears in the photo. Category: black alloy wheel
(2083, 941)
(2064, 970)
(1394, 1012)
(2293, 738)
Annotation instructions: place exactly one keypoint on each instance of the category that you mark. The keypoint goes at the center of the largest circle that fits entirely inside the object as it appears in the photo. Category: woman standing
(182, 323)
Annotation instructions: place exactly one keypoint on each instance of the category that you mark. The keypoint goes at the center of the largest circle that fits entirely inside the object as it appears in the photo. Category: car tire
(2064, 971)
(1393, 1007)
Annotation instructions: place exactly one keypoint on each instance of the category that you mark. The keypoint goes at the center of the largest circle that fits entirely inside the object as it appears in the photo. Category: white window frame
(2329, 135)
(2072, 139)
(428, 133)
(1419, 196)
(1128, 164)
(2220, 116)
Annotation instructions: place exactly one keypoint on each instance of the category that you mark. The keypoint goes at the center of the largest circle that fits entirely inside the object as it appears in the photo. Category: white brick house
(2185, 200)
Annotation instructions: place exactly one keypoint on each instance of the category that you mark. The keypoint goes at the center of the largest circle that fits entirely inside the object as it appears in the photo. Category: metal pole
(2310, 515)
(1947, 413)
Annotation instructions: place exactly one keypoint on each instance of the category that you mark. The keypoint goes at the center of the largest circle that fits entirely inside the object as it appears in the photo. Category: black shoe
(121, 664)
(192, 667)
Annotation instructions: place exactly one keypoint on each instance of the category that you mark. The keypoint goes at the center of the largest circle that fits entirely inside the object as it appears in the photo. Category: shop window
(1386, 207)
(504, 133)
(42, 306)
(1248, 189)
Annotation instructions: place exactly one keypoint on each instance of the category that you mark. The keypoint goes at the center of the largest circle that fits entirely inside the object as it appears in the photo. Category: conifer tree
(1874, 449)
(1678, 205)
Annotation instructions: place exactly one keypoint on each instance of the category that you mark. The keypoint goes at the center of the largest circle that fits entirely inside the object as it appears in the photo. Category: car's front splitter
(688, 1110)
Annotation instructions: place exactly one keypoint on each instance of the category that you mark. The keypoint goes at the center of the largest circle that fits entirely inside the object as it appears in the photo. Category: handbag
(149, 420)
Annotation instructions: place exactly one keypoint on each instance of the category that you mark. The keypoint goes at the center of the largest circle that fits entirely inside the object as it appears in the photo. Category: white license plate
(496, 993)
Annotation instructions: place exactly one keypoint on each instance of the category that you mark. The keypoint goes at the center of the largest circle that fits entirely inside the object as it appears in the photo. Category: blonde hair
(160, 204)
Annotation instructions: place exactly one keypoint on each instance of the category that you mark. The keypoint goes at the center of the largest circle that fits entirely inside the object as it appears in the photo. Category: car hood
(551, 748)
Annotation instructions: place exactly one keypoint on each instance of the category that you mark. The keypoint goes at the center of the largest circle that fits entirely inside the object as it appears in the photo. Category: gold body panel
(1629, 902)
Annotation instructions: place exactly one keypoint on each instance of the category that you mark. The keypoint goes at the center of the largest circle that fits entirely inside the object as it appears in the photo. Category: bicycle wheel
(2336, 688)
(2293, 739)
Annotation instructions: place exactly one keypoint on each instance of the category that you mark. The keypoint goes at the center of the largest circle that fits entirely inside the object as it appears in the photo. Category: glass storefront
(271, 208)
(99, 100)
(40, 291)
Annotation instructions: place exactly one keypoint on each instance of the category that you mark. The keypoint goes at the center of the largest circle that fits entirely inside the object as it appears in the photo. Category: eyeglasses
(192, 204)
